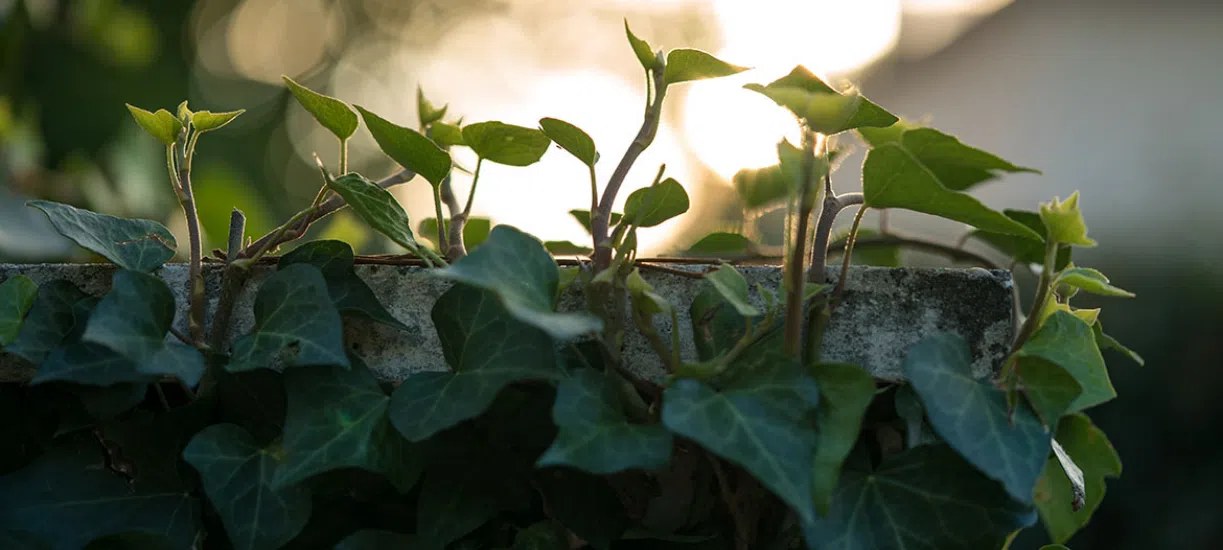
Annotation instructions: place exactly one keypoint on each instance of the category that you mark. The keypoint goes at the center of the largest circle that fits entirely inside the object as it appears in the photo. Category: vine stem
(1043, 291)
(195, 312)
(441, 221)
(849, 252)
(794, 271)
(833, 205)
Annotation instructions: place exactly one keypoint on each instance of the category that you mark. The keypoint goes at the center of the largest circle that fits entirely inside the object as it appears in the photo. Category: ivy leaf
(21, 540)
(1025, 249)
(348, 292)
(51, 319)
(1104, 341)
(294, 310)
(518, 269)
(595, 436)
(825, 109)
(408, 147)
(973, 417)
(161, 125)
(377, 539)
(925, 497)
(747, 424)
(133, 320)
(566, 248)
(17, 294)
(446, 135)
(957, 165)
(237, 477)
(141, 245)
(650, 206)
(733, 287)
(1090, 280)
(506, 143)
(543, 535)
(893, 178)
(585, 503)
(847, 391)
(426, 112)
(67, 499)
(762, 187)
(583, 217)
(1065, 221)
(475, 232)
(465, 486)
(909, 408)
(131, 541)
(572, 139)
(1068, 342)
(1049, 388)
(685, 64)
(721, 245)
(1093, 453)
(90, 364)
(335, 115)
(206, 121)
(377, 207)
(486, 347)
(641, 49)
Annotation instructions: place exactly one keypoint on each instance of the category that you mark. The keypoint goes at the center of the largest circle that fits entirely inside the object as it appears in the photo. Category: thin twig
(1043, 290)
(893, 239)
(181, 337)
(645, 264)
(848, 256)
(731, 499)
(195, 311)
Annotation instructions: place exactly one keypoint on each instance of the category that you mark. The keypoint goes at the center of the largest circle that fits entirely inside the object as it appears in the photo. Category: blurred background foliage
(1115, 98)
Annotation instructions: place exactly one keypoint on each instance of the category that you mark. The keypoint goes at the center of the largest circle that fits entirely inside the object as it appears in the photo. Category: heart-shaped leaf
(733, 287)
(59, 308)
(721, 245)
(161, 124)
(335, 115)
(89, 364)
(237, 477)
(408, 147)
(641, 49)
(846, 391)
(17, 294)
(684, 64)
(824, 109)
(650, 206)
(1068, 342)
(506, 143)
(1105, 341)
(518, 269)
(571, 138)
(292, 309)
(1090, 280)
(595, 436)
(973, 417)
(426, 112)
(377, 207)
(1093, 453)
(1049, 388)
(1025, 249)
(486, 347)
(205, 121)
(566, 248)
(142, 245)
(958, 166)
(348, 292)
(583, 217)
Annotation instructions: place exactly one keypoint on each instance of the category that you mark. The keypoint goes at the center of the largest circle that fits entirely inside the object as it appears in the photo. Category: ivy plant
(540, 434)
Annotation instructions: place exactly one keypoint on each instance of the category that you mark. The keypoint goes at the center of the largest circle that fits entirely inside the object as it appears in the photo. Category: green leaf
(506, 143)
(17, 294)
(958, 166)
(925, 497)
(67, 498)
(294, 310)
(733, 287)
(721, 245)
(408, 147)
(641, 49)
(1065, 221)
(595, 435)
(1053, 547)
(1024, 249)
(1049, 388)
(566, 248)
(650, 206)
(161, 125)
(427, 113)
(475, 232)
(893, 178)
(762, 187)
(1104, 341)
(446, 135)
(585, 503)
(487, 349)
(52, 318)
(972, 415)
(205, 121)
(909, 408)
(237, 477)
(133, 320)
(847, 390)
(1068, 342)
(142, 245)
(335, 115)
(377, 207)
(90, 364)
(572, 139)
(583, 217)
(749, 425)
(21, 540)
(131, 541)
(465, 486)
(825, 109)
(518, 269)
(348, 292)
(544, 535)
(685, 64)
(376, 539)
(1090, 280)
(1093, 453)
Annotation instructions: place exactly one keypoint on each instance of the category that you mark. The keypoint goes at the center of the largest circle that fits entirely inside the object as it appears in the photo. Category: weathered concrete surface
(885, 311)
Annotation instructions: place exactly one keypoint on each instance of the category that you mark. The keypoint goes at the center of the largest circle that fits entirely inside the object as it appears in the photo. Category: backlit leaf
(205, 121)
(335, 115)
(722, 245)
(1065, 221)
(641, 49)
(583, 217)
(846, 392)
(825, 109)
(506, 143)
(762, 187)
(293, 310)
(408, 147)
(348, 292)
(161, 124)
(17, 294)
(1093, 453)
(446, 135)
(377, 207)
(566, 248)
(1025, 249)
(684, 64)
(1068, 342)
(571, 138)
(650, 206)
(1090, 280)
(426, 112)
(733, 287)
(142, 245)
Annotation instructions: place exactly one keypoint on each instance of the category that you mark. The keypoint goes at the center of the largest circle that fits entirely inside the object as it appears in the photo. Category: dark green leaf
(293, 310)
(50, 321)
(650, 206)
(566, 248)
(108, 402)
(518, 269)
(1068, 342)
(1105, 341)
(571, 138)
(237, 477)
(763, 187)
(583, 217)
(142, 245)
(1049, 388)
(749, 425)
(908, 408)
(641, 48)
(131, 541)
(585, 503)
(825, 109)
(846, 391)
(544, 535)
(1024, 249)
(88, 363)
(408, 147)
(721, 245)
(733, 287)
(205, 121)
(377, 207)
(161, 125)
(335, 115)
(348, 292)
(17, 294)
(487, 349)
(464, 487)
(596, 436)
(374, 539)
(1090, 280)
(426, 112)
(926, 497)
(893, 178)
(685, 64)
(973, 416)
(506, 143)
(1093, 453)
(254, 400)
(475, 232)
(68, 497)
(13, 539)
